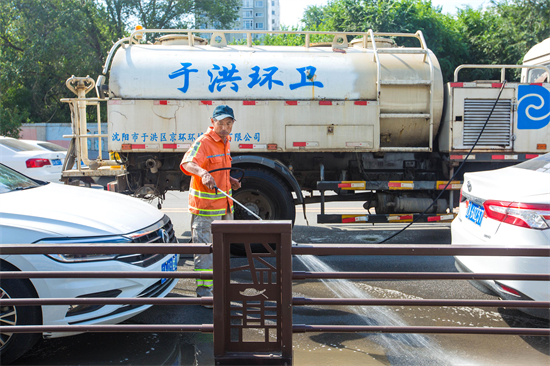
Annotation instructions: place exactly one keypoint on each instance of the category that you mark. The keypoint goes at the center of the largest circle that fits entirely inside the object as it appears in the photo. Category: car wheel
(267, 196)
(14, 345)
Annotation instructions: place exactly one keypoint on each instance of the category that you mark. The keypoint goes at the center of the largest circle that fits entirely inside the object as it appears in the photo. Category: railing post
(253, 302)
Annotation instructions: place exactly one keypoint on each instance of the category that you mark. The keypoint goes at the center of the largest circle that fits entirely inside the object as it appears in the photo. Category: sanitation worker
(210, 151)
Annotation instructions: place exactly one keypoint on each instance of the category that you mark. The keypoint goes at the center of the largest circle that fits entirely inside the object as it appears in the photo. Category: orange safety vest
(209, 152)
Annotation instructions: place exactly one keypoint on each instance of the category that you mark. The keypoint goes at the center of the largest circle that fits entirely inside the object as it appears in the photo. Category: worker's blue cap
(223, 111)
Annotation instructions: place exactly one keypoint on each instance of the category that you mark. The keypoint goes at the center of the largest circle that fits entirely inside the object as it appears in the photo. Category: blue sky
(292, 10)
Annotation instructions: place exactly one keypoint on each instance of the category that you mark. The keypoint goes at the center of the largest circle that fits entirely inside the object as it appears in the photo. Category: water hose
(456, 172)
(228, 196)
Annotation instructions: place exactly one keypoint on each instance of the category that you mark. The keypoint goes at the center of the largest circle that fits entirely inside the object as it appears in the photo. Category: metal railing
(265, 299)
(137, 35)
(6, 249)
(501, 67)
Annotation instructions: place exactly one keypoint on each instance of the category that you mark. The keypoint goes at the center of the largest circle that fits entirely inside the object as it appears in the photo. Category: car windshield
(539, 164)
(51, 146)
(17, 145)
(10, 180)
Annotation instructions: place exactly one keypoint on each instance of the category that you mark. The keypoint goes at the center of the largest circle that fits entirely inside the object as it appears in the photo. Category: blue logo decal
(533, 107)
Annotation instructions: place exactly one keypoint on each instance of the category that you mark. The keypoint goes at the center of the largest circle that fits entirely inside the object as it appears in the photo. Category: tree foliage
(181, 14)
(43, 43)
(406, 16)
(499, 34)
(503, 33)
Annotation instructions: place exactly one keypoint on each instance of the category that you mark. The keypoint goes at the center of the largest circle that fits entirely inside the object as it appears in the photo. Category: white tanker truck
(367, 119)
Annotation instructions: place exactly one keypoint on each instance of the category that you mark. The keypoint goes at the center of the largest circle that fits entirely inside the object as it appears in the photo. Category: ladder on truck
(91, 171)
(423, 50)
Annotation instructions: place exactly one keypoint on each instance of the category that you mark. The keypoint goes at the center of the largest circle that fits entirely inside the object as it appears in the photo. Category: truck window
(537, 75)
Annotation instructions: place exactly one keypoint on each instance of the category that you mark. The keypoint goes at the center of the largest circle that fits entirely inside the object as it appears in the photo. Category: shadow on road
(517, 319)
(367, 234)
(114, 348)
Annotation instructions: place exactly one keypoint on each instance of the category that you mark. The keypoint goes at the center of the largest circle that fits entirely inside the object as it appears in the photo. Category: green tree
(503, 33)
(405, 16)
(162, 14)
(43, 43)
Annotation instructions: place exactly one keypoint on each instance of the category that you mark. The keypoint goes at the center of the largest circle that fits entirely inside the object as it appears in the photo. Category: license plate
(56, 162)
(475, 213)
(171, 265)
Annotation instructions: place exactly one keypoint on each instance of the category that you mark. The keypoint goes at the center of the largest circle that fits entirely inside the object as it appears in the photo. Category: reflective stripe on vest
(209, 196)
(196, 211)
(205, 283)
(194, 152)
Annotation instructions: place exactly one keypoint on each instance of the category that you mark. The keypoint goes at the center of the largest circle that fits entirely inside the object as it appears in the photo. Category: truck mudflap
(383, 219)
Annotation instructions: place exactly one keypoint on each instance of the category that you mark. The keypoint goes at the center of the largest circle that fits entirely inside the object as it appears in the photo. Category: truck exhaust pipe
(153, 165)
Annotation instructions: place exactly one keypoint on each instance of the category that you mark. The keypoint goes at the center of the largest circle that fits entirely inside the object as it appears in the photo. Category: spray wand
(228, 196)
(237, 202)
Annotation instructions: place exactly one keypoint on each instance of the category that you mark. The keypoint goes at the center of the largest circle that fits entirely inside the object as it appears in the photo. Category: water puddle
(401, 349)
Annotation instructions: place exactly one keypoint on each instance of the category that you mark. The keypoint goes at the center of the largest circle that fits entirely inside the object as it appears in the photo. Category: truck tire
(267, 196)
(14, 345)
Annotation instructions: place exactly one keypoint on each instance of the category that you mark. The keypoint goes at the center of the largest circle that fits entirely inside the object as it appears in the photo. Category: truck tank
(171, 69)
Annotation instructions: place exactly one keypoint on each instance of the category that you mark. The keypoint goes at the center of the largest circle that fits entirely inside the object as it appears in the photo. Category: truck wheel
(14, 345)
(267, 196)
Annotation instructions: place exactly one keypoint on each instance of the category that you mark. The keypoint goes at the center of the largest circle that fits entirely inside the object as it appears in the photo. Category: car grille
(152, 291)
(161, 232)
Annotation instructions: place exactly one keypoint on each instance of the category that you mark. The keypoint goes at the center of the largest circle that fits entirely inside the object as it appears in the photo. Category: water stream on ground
(401, 349)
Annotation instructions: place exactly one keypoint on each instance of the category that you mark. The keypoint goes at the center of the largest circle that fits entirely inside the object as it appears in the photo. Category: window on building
(272, 12)
(259, 25)
(247, 24)
(259, 14)
(273, 3)
(247, 3)
(272, 21)
(247, 14)
(259, 4)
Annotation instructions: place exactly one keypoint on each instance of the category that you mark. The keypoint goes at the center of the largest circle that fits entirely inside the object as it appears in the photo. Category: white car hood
(54, 211)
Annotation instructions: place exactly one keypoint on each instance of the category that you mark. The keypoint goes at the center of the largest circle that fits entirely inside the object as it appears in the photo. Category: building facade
(253, 15)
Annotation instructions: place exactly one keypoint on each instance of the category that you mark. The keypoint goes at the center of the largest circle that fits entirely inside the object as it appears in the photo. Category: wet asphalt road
(328, 348)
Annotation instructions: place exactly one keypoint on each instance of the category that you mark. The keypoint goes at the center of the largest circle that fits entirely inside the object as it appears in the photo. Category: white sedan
(507, 207)
(30, 160)
(38, 212)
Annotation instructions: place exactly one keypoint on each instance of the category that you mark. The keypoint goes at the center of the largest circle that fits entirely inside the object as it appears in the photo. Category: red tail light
(37, 163)
(509, 290)
(462, 197)
(527, 215)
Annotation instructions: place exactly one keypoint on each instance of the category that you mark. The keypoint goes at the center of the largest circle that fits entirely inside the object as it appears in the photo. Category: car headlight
(73, 258)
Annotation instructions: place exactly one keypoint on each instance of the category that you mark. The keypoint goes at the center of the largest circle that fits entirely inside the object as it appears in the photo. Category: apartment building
(254, 15)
